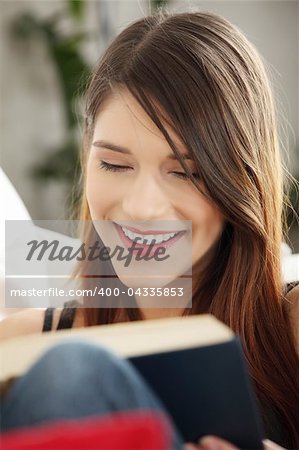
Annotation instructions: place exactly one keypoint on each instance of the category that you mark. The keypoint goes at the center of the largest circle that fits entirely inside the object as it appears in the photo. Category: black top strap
(290, 286)
(66, 318)
(67, 315)
(48, 320)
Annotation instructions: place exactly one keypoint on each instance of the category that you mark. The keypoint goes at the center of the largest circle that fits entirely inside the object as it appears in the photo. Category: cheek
(208, 222)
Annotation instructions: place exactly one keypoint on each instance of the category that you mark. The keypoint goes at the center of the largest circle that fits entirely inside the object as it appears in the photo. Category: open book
(194, 364)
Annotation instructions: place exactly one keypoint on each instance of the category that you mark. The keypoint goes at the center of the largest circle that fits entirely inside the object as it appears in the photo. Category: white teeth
(148, 237)
(131, 235)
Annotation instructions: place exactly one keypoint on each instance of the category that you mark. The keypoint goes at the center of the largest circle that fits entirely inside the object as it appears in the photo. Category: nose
(145, 200)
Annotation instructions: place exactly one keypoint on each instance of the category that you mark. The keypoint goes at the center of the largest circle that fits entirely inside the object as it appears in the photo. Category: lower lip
(144, 249)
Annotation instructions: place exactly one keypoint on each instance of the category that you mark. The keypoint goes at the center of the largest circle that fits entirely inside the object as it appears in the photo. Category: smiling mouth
(147, 241)
(149, 237)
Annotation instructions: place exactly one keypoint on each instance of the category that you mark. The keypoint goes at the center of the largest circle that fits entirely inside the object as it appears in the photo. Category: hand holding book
(215, 443)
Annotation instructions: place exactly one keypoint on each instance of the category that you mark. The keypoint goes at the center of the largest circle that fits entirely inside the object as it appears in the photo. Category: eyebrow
(125, 150)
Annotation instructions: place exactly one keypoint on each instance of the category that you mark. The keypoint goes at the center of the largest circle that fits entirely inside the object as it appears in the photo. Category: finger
(215, 443)
(269, 445)
(189, 446)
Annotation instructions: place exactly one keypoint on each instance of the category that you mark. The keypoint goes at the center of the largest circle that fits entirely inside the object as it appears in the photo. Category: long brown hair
(200, 74)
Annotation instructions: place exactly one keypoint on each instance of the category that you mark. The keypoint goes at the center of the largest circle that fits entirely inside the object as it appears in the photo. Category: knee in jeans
(78, 353)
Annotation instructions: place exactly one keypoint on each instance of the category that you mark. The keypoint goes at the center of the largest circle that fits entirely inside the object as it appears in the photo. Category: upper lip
(135, 230)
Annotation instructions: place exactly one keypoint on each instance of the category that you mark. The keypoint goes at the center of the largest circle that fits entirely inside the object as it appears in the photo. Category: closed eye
(113, 167)
(116, 168)
(185, 176)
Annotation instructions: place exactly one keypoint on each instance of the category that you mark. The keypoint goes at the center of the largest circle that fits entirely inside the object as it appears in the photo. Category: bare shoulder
(293, 298)
(27, 321)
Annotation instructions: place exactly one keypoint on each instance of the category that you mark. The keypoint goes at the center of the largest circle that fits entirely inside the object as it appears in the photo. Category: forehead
(121, 117)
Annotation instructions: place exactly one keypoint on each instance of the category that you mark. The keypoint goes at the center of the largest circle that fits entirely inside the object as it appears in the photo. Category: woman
(190, 86)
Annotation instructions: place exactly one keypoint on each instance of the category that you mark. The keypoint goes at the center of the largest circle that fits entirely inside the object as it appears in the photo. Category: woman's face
(145, 191)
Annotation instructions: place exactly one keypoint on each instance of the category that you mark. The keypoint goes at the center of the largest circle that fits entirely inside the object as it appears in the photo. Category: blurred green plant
(158, 4)
(76, 8)
(72, 70)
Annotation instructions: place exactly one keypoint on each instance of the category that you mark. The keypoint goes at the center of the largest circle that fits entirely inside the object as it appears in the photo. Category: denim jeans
(74, 380)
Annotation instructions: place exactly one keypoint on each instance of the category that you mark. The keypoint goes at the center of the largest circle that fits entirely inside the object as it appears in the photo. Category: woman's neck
(161, 313)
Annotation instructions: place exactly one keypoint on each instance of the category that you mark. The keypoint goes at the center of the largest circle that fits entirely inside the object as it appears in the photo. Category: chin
(145, 282)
